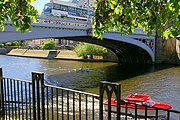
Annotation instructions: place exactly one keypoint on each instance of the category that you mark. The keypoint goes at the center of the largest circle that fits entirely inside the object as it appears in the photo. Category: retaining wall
(64, 54)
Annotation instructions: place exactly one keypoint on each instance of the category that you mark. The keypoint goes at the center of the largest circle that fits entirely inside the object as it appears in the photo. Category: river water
(161, 82)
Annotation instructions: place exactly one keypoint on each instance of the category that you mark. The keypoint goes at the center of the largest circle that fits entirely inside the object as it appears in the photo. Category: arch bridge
(134, 48)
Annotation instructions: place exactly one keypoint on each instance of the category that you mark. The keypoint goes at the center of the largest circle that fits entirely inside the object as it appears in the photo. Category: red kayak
(141, 100)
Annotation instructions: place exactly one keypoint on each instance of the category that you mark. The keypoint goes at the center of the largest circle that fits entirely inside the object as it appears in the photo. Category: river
(161, 82)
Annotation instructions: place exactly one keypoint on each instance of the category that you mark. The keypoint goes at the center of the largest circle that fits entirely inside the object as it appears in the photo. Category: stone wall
(167, 51)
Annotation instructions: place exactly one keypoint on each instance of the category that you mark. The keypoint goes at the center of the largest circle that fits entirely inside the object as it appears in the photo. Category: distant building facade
(60, 43)
(74, 9)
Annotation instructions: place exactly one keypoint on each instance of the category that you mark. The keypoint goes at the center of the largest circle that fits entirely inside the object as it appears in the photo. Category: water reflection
(161, 82)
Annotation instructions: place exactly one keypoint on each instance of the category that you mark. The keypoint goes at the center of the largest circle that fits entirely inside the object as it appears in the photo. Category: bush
(1, 45)
(85, 49)
(15, 43)
(80, 50)
(8, 44)
(49, 45)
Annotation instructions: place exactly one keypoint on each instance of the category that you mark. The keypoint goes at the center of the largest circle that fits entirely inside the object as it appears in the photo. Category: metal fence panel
(21, 99)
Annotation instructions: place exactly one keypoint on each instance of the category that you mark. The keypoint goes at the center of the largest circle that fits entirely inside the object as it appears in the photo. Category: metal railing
(130, 110)
(36, 100)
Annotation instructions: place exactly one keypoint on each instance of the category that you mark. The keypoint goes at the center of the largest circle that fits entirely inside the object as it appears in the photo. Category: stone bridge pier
(167, 51)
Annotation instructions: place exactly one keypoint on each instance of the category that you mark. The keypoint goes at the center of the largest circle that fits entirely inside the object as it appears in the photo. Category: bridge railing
(62, 22)
(61, 19)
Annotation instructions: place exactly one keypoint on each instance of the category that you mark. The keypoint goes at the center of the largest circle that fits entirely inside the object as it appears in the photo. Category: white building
(83, 4)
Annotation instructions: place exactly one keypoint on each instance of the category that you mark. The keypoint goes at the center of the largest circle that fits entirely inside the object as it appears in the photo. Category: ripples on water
(161, 82)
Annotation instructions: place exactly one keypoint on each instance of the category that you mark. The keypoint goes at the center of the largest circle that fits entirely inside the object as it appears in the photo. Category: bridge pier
(167, 51)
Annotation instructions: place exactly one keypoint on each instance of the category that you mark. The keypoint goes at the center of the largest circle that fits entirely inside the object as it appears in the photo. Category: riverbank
(53, 54)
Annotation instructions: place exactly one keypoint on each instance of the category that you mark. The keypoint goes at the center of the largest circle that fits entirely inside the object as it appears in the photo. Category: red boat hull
(141, 100)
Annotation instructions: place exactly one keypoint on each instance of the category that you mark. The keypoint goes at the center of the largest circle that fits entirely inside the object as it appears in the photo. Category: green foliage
(126, 15)
(16, 43)
(8, 44)
(20, 12)
(85, 49)
(80, 50)
(49, 45)
(1, 45)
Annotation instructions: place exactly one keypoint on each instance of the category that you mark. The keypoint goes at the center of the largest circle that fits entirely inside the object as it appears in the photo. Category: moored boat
(142, 101)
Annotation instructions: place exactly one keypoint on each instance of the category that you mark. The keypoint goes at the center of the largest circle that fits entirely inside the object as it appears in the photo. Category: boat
(142, 101)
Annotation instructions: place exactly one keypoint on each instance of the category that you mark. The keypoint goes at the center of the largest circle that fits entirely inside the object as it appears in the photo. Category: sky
(39, 4)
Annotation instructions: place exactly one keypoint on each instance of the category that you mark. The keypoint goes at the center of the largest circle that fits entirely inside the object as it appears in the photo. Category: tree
(85, 49)
(125, 15)
(20, 12)
(80, 50)
(49, 45)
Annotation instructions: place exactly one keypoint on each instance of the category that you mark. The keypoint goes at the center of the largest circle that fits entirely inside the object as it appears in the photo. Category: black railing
(21, 99)
(36, 100)
(17, 99)
(130, 110)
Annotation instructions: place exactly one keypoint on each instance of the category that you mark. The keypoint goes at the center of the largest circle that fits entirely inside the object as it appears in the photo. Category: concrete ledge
(52, 54)
(36, 53)
(17, 52)
(68, 54)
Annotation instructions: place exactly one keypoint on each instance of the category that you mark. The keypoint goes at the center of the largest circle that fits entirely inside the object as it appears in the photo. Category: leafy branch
(126, 15)
(20, 12)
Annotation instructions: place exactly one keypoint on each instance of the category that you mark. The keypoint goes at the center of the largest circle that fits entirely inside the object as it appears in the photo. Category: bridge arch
(130, 40)
(126, 52)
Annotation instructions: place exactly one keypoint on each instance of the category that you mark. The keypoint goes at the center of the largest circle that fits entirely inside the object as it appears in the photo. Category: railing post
(42, 96)
(101, 91)
(1, 93)
(38, 90)
(109, 88)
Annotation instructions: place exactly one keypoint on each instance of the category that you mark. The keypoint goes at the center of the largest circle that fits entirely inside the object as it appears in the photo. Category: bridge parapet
(47, 26)
(62, 22)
